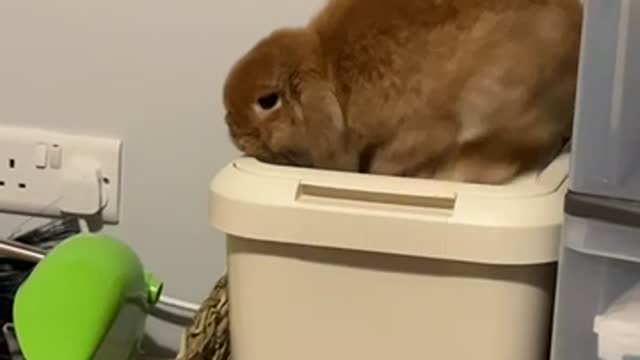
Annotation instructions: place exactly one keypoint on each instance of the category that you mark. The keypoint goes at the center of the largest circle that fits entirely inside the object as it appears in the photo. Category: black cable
(12, 274)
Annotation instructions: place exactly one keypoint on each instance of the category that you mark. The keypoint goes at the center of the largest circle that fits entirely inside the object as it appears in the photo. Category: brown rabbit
(464, 90)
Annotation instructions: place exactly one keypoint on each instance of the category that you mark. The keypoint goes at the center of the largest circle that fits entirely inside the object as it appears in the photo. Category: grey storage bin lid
(603, 227)
(611, 210)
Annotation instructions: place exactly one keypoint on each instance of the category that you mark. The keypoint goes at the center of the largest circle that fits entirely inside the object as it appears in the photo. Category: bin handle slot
(432, 201)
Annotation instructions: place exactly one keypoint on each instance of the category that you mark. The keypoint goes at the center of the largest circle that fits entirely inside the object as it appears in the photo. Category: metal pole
(20, 251)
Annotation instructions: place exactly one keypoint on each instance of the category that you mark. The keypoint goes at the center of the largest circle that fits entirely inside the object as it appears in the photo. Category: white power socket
(46, 173)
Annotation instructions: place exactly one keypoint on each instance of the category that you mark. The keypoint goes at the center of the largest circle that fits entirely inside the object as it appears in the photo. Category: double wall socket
(43, 173)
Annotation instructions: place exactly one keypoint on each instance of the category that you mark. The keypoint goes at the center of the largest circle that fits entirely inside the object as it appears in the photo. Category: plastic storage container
(599, 265)
(600, 259)
(328, 265)
(607, 131)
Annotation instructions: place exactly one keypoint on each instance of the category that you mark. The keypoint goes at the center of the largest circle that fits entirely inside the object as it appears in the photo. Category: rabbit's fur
(462, 90)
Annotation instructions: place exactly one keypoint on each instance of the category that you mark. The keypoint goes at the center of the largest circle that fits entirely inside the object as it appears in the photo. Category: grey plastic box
(600, 256)
(600, 262)
(606, 142)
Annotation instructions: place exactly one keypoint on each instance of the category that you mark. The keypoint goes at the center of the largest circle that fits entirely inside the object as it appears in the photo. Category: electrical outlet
(40, 171)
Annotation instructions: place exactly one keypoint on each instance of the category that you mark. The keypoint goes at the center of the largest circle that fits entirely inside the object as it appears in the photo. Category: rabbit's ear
(325, 127)
(320, 107)
(326, 134)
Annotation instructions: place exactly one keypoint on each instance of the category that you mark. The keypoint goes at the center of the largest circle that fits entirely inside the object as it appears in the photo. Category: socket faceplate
(34, 162)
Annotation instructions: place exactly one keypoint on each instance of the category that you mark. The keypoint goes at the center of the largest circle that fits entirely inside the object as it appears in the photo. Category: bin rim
(514, 224)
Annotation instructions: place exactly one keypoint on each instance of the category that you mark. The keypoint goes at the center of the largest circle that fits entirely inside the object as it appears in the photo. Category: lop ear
(325, 129)
(321, 107)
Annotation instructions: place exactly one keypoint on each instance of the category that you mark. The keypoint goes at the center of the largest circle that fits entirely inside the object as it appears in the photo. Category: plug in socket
(32, 182)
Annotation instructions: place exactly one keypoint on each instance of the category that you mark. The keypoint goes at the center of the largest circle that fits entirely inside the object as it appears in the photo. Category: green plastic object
(86, 300)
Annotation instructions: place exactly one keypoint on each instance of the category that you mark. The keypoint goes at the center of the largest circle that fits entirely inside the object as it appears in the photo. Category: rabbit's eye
(269, 102)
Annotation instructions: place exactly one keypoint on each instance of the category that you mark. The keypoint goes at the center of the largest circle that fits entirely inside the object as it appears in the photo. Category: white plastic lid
(513, 224)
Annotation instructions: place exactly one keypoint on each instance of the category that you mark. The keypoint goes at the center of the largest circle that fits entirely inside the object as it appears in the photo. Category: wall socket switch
(48, 173)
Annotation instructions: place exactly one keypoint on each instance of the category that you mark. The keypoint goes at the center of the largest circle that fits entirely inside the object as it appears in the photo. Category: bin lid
(514, 224)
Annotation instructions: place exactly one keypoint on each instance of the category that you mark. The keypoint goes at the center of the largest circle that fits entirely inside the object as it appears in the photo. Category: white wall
(148, 72)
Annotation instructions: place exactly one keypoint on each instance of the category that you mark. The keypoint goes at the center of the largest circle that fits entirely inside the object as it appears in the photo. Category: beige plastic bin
(327, 265)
